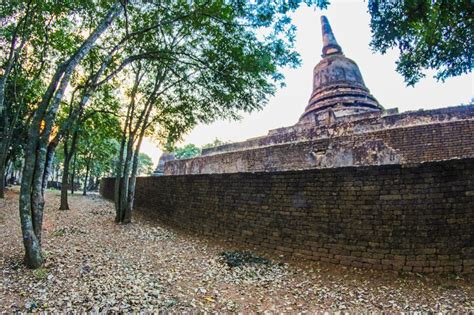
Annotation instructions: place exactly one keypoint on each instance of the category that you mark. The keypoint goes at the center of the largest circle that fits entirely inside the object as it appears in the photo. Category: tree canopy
(187, 152)
(429, 34)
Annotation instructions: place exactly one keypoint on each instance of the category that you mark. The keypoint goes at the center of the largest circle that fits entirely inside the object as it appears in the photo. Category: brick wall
(412, 144)
(415, 217)
(348, 125)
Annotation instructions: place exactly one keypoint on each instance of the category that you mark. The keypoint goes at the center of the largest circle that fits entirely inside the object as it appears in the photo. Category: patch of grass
(40, 273)
(45, 254)
(58, 233)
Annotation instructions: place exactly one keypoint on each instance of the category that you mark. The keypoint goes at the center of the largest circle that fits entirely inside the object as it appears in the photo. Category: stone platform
(374, 138)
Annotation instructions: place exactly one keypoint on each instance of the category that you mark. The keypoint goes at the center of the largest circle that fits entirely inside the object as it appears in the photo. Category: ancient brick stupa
(338, 87)
(342, 125)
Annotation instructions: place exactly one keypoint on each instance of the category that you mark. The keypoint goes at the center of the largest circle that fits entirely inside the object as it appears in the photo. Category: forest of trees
(82, 82)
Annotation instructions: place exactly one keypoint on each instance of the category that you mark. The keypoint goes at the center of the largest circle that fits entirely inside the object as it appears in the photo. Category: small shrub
(237, 259)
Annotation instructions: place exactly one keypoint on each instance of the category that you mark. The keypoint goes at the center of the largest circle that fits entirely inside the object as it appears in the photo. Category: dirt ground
(96, 265)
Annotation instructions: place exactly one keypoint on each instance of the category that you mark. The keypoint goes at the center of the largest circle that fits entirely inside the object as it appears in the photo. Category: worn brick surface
(414, 137)
(416, 217)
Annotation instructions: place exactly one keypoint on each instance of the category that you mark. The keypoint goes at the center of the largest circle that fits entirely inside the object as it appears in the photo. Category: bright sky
(350, 24)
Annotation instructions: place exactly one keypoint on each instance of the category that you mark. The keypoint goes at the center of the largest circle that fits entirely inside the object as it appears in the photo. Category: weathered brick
(326, 215)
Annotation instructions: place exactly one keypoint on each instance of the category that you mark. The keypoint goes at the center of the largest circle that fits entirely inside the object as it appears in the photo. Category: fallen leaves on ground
(93, 264)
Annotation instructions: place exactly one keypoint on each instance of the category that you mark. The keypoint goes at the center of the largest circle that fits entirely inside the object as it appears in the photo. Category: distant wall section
(417, 217)
(412, 144)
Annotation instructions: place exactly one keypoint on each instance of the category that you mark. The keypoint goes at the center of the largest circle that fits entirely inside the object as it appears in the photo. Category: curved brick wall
(413, 217)
(412, 144)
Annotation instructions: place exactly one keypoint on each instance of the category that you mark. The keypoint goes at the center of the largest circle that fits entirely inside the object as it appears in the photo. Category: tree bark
(2, 181)
(127, 217)
(84, 192)
(73, 175)
(64, 181)
(68, 154)
(31, 241)
(48, 167)
(124, 183)
(118, 179)
(4, 147)
(3, 157)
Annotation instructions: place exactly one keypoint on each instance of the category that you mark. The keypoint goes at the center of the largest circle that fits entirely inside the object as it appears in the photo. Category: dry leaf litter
(93, 264)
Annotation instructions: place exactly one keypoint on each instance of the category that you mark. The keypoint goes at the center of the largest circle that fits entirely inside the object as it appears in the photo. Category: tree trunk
(84, 191)
(48, 165)
(68, 154)
(37, 202)
(31, 241)
(2, 181)
(20, 172)
(125, 182)
(64, 181)
(4, 144)
(118, 178)
(57, 173)
(73, 175)
(131, 186)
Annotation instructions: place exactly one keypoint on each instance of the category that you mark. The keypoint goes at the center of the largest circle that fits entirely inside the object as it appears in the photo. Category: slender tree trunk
(73, 175)
(2, 182)
(12, 174)
(3, 83)
(96, 182)
(57, 173)
(84, 191)
(5, 142)
(48, 165)
(126, 179)
(68, 154)
(131, 185)
(31, 241)
(20, 172)
(118, 179)
(64, 181)
(37, 203)
(4, 145)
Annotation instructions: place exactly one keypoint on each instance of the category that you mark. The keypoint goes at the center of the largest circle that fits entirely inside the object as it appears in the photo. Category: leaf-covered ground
(94, 264)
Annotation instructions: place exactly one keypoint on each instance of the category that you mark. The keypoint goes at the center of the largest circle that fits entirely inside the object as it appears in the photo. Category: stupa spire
(330, 45)
(337, 83)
